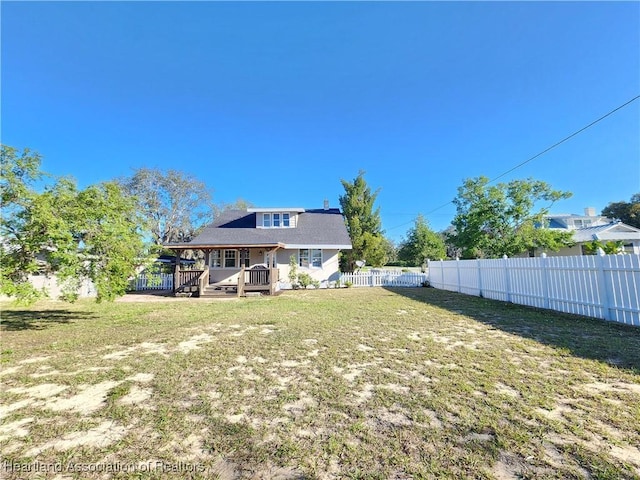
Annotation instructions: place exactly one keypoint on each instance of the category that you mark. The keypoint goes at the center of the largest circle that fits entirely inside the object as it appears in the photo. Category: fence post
(479, 279)
(545, 279)
(442, 273)
(603, 286)
(458, 272)
(507, 280)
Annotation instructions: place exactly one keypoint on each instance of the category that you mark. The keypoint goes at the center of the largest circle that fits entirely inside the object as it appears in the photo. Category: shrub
(304, 279)
(293, 272)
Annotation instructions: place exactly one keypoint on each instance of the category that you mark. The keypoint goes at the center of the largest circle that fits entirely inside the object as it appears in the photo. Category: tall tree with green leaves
(390, 250)
(626, 212)
(76, 234)
(239, 204)
(18, 248)
(175, 204)
(363, 224)
(502, 219)
(421, 244)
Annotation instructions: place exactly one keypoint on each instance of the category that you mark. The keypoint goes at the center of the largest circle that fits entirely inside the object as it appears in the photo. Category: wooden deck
(256, 279)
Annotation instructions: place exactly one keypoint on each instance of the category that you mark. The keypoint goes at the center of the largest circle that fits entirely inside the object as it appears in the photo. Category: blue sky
(275, 102)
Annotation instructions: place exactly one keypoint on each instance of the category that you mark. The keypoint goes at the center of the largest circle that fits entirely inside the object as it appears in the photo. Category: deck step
(219, 291)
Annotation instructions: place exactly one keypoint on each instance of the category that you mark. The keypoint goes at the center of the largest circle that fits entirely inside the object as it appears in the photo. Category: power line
(536, 155)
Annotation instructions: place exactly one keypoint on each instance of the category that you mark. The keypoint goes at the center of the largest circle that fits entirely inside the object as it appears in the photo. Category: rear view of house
(250, 250)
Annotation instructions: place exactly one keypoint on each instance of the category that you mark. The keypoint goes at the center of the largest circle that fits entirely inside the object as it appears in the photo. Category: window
(582, 223)
(275, 220)
(316, 258)
(274, 263)
(229, 258)
(215, 258)
(303, 258)
(310, 258)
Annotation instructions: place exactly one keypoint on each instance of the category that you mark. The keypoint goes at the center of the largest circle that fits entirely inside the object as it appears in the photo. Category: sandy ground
(165, 296)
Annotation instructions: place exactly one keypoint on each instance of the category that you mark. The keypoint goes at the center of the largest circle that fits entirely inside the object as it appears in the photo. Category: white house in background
(589, 227)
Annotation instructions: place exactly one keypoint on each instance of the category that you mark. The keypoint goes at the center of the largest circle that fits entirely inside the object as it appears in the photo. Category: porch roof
(220, 246)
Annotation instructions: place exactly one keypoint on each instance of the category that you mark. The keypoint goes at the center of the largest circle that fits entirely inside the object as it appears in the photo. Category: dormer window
(582, 223)
(276, 217)
(276, 220)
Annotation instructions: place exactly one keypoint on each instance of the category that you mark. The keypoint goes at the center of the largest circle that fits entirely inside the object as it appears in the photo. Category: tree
(363, 224)
(18, 248)
(92, 233)
(390, 250)
(422, 244)
(492, 221)
(239, 204)
(626, 212)
(174, 204)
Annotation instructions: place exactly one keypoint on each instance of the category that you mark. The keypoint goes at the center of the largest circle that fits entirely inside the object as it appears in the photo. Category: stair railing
(203, 281)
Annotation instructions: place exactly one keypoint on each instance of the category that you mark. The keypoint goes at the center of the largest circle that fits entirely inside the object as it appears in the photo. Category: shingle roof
(238, 227)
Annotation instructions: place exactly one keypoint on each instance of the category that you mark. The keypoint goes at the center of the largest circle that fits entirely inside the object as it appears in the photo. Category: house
(589, 227)
(250, 250)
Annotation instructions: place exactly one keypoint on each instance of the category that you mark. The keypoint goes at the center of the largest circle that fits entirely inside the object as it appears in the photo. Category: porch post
(273, 275)
(176, 272)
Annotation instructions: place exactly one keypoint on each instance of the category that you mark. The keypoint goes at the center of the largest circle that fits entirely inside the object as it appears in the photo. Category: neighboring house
(250, 249)
(589, 227)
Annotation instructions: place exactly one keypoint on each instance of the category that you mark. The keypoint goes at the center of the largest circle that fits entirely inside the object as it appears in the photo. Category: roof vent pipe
(326, 204)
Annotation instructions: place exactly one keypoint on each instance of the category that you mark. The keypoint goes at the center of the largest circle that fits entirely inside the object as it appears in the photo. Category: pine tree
(363, 224)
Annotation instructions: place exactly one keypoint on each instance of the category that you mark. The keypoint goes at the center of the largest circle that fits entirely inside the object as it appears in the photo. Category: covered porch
(229, 270)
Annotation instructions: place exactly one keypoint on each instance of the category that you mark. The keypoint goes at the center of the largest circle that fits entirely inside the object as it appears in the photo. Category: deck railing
(257, 279)
(203, 281)
(187, 280)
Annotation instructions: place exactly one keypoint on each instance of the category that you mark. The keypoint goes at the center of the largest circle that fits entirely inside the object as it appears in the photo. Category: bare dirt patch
(44, 390)
(90, 399)
(15, 429)
(101, 436)
(194, 342)
(136, 396)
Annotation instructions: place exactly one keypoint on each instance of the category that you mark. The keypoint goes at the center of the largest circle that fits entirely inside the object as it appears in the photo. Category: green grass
(350, 383)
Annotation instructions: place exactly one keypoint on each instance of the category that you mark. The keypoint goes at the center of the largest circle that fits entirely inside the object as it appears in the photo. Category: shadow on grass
(15, 320)
(613, 343)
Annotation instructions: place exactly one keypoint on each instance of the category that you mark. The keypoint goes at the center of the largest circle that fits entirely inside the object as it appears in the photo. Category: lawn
(350, 383)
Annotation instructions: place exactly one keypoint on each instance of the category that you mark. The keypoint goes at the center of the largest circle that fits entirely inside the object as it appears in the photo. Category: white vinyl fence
(154, 281)
(390, 278)
(601, 286)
